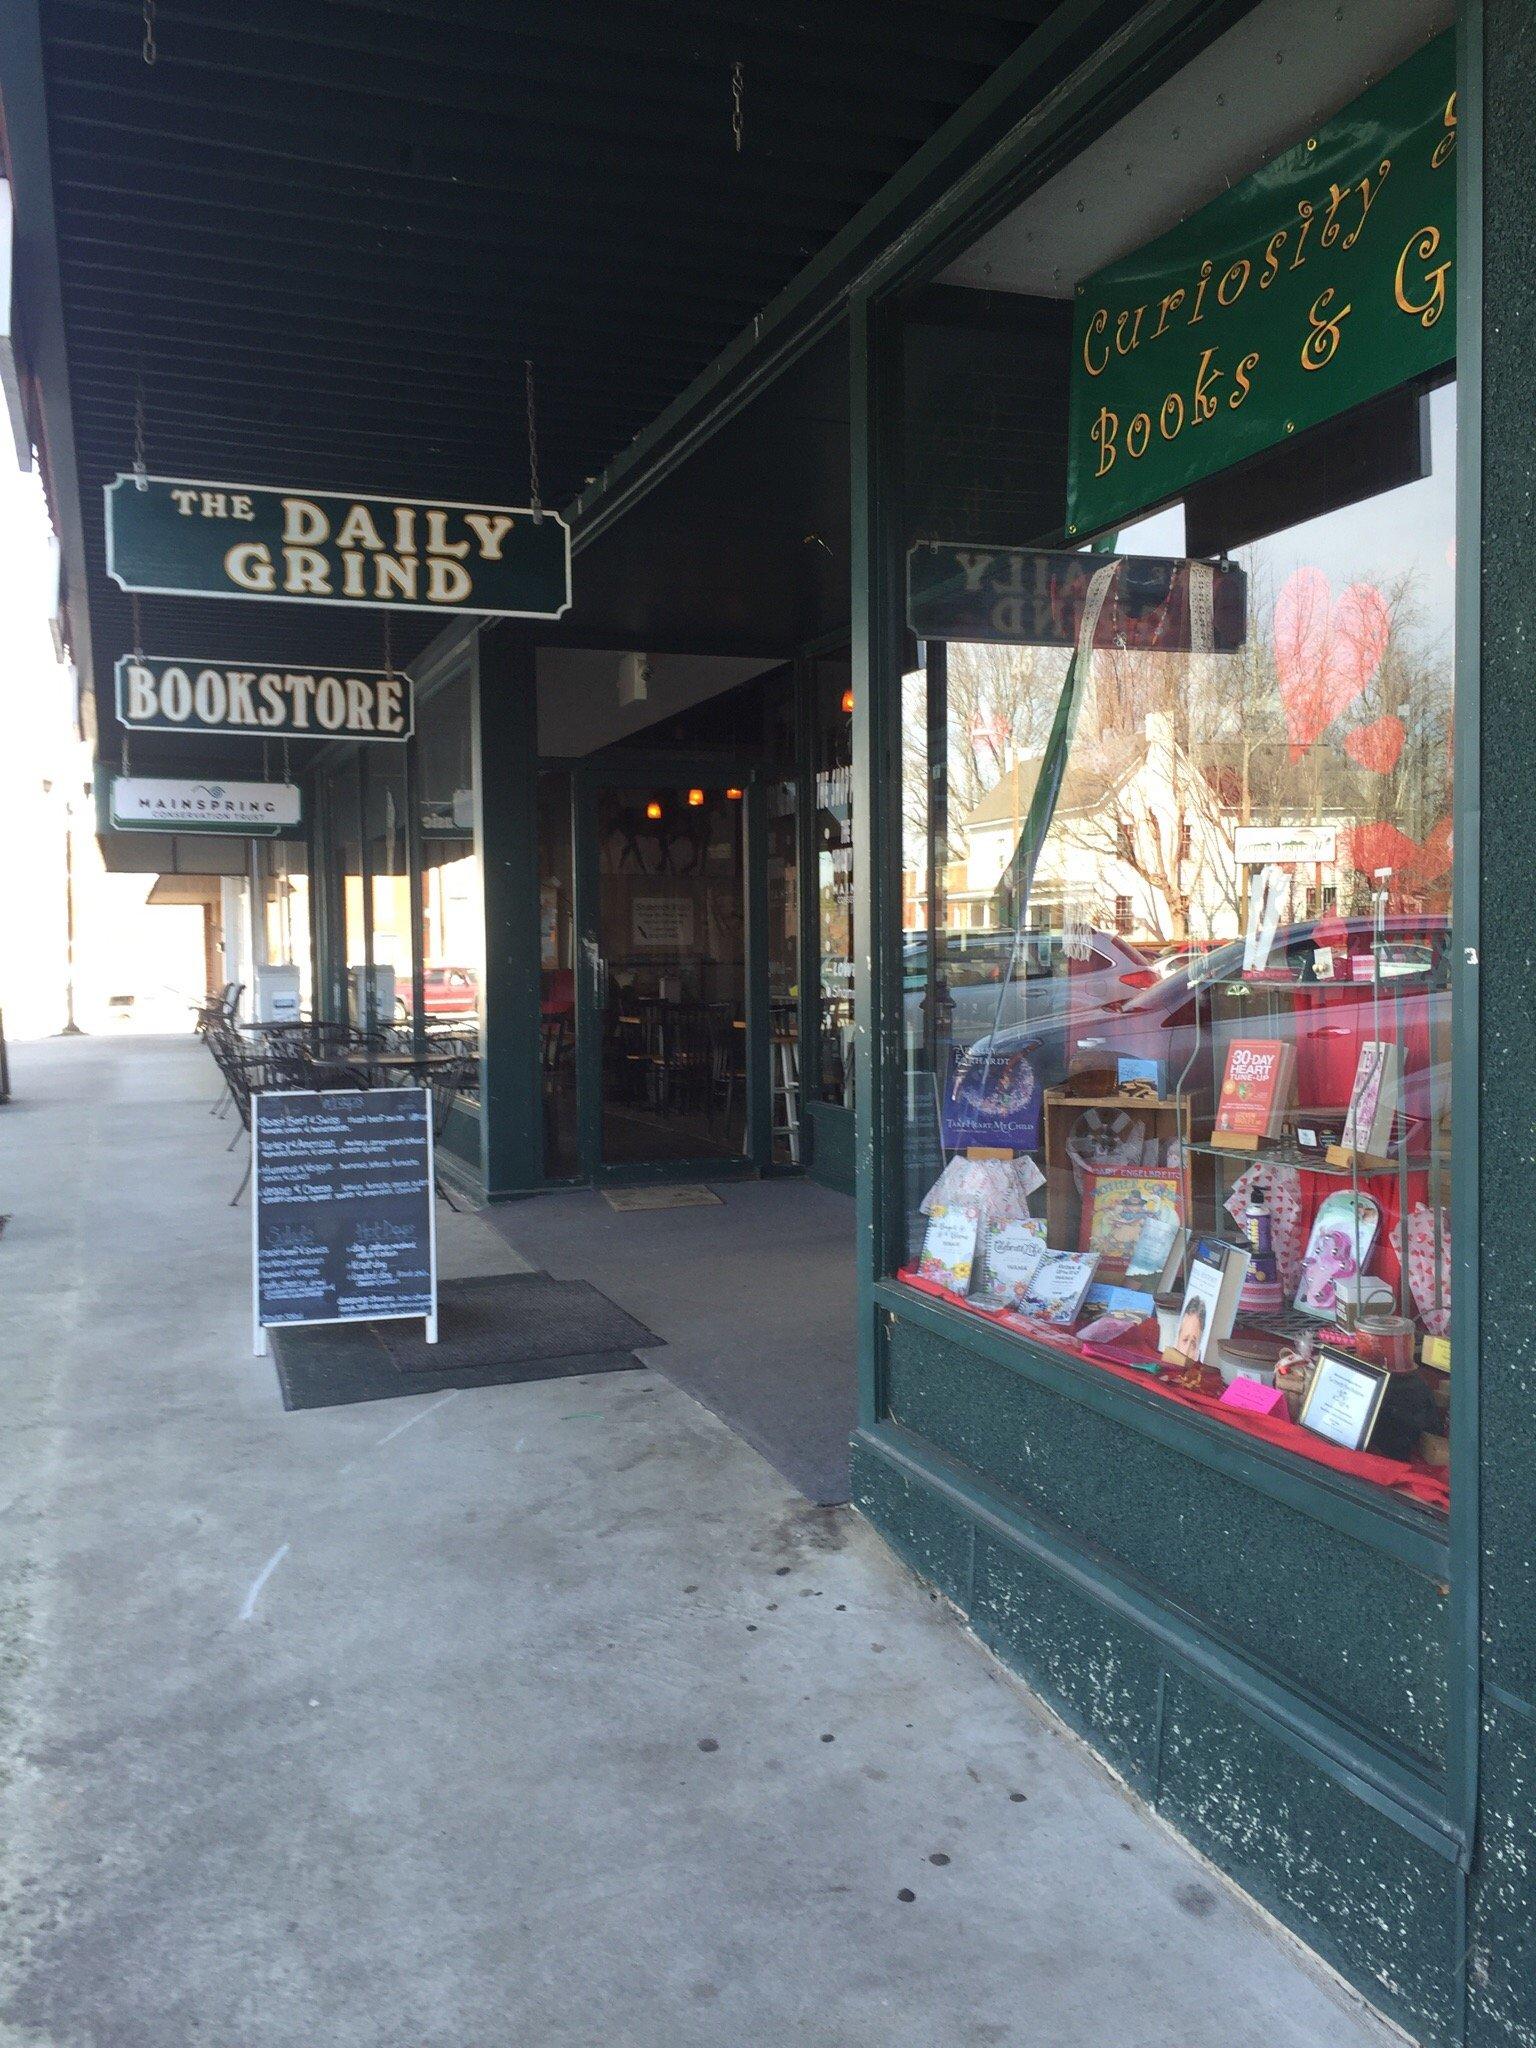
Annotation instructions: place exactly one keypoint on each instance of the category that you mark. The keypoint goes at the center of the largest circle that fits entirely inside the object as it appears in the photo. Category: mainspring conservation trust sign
(1322, 281)
(188, 539)
(156, 694)
(250, 810)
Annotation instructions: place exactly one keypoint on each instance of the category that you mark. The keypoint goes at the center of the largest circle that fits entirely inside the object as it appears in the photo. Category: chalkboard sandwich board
(343, 1228)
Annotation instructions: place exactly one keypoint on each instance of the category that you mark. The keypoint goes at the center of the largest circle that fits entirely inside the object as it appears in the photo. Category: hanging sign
(342, 1222)
(155, 694)
(1323, 280)
(186, 539)
(1034, 597)
(248, 809)
(1256, 846)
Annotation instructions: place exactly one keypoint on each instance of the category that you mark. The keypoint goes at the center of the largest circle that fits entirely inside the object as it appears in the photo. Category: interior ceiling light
(848, 701)
(733, 796)
(653, 809)
(695, 797)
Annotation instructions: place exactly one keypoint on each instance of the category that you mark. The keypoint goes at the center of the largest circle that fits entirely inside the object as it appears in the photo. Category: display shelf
(1281, 1154)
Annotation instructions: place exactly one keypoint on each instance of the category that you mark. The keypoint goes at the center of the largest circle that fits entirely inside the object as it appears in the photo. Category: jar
(1361, 1294)
(1249, 1355)
(1386, 1341)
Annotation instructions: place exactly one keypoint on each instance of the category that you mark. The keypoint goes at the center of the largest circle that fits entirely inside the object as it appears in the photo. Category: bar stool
(786, 1091)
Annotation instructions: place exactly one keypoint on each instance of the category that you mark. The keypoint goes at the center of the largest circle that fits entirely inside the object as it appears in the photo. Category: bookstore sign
(1322, 281)
(183, 538)
(155, 694)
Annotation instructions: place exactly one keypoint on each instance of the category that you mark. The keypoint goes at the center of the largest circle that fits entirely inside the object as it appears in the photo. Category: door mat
(680, 1197)
(512, 1319)
(338, 1365)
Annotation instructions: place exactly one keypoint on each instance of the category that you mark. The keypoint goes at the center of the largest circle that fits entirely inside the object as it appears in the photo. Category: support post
(506, 760)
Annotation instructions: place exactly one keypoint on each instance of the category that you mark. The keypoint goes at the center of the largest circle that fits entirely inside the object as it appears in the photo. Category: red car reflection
(449, 992)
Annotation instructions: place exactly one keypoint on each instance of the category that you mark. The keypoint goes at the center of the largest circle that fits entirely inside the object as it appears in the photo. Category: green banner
(1323, 280)
(189, 539)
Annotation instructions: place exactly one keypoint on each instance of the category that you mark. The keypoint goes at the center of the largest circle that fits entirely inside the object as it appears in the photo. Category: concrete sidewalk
(528, 1717)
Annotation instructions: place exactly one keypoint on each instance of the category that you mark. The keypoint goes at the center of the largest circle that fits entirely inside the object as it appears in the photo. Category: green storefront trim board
(182, 538)
(142, 803)
(1321, 281)
(159, 694)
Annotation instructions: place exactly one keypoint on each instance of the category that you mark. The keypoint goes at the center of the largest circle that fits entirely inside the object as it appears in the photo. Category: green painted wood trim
(1384, 1780)
(1464, 1733)
(834, 1135)
(877, 644)
(1362, 1513)
(504, 728)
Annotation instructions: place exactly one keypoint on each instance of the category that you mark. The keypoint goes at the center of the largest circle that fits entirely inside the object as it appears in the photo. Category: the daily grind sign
(155, 694)
(1038, 597)
(1322, 281)
(190, 539)
(342, 1224)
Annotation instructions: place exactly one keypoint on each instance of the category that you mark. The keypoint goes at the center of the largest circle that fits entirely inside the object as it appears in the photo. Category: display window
(1176, 964)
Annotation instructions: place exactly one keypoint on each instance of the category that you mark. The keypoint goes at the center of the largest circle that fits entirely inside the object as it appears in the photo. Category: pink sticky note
(1255, 1398)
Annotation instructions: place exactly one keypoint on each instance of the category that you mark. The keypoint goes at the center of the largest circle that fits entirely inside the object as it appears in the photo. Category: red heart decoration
(1370, 847)
(1377, 746)
(1325, 653)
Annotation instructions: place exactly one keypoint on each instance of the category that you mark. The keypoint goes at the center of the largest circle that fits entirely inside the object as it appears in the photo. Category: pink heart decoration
(1377, 746)
(1325, 653)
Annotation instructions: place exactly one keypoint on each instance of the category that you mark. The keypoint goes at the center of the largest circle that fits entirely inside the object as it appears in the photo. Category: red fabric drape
(1427, 1484)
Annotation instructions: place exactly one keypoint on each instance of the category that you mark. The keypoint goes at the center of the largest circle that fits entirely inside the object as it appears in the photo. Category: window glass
(557, 976)
(346, 839)
(1188, 974)
(452, 910)
(389, 867)
(285, 910)
(833, 716)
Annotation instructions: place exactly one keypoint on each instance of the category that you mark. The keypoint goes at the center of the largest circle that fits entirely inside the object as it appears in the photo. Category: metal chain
(138, 626)
(389, 646)
(736, 105)
(140, 466)
(534, 499)
(287, 770)
(151, 48)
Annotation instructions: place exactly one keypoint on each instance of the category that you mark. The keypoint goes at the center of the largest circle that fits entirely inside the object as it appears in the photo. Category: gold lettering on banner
(1103, 431)
(1447, 142)
(1096, 326)
(1206, 407)
(1321, 345)
(1368, 193)
(1423, 243)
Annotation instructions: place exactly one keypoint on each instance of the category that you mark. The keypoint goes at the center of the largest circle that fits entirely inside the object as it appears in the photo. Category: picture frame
(1343, 1399)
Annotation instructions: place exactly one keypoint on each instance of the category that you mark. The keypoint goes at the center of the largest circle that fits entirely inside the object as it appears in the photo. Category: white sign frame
(193, 663)
(261, 1344)
(290, 817)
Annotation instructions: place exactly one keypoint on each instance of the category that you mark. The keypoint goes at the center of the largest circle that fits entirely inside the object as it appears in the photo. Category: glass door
(669, 1077)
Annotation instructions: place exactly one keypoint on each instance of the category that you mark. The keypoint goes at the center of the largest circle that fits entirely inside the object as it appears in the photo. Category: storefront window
(389, 871)
(834, 875)
(284, 873)
(557, 977)
(452, 908)
(783, 817)
(347, 847)
(1177, 1002)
